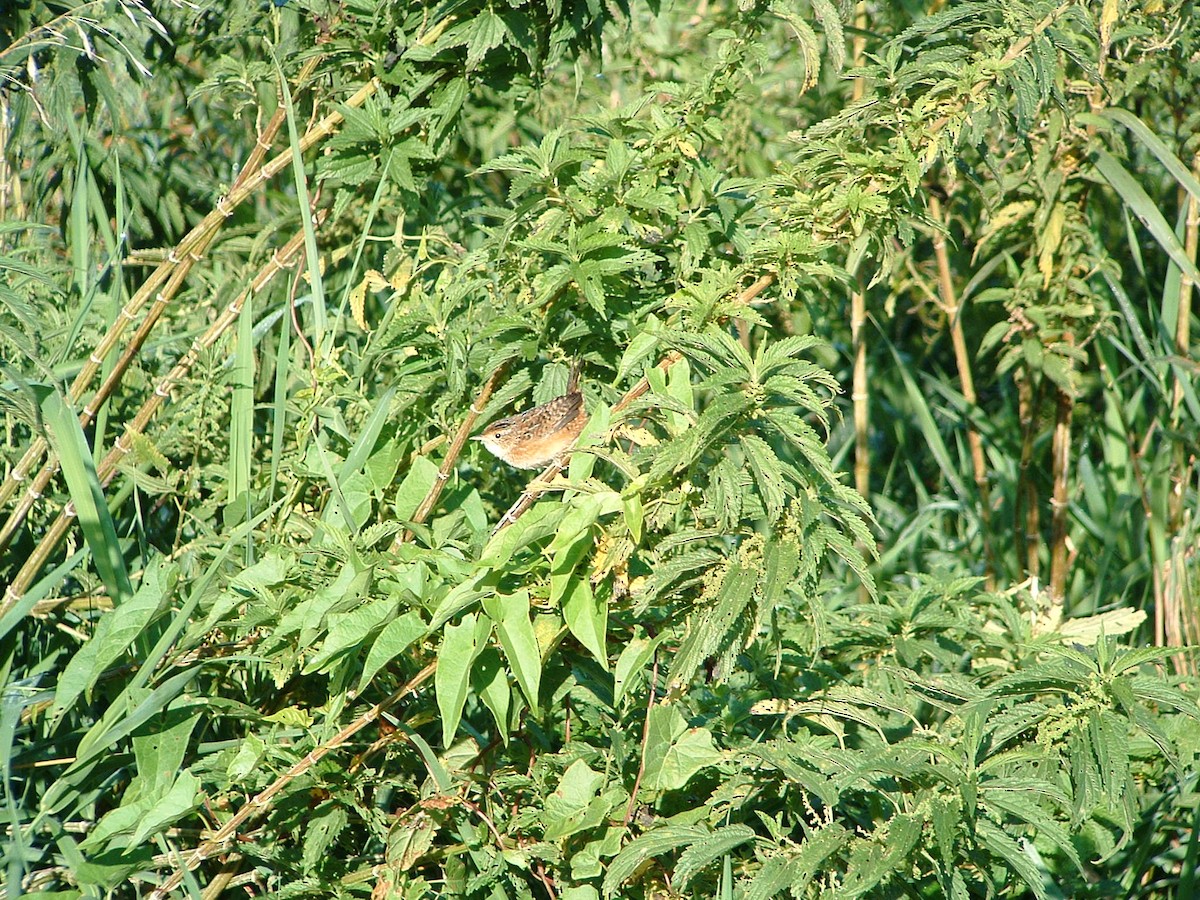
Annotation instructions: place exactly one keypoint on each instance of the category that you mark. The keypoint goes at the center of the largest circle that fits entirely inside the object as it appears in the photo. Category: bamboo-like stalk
(860, 390)
(10, 184)
(860, 394)
(189, 248)
(107, 469)
(1064, 408)
(953, 311)
(1183, 337)
(1026, 526)
(224, 836)
(1179, 617)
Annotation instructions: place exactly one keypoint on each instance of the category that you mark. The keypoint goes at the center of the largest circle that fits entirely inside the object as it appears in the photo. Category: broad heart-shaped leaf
(460, 644)
(674, 752)
(511, 615)
(573, 806)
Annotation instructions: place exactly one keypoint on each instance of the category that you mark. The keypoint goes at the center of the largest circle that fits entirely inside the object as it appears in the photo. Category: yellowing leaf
(1050, 240)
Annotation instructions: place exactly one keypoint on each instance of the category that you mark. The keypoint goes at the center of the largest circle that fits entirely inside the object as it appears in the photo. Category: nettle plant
(668, 669)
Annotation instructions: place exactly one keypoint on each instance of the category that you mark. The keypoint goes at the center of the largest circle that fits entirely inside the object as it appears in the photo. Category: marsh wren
(538, 436)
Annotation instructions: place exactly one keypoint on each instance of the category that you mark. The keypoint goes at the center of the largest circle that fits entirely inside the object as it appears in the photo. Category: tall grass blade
(79, 470)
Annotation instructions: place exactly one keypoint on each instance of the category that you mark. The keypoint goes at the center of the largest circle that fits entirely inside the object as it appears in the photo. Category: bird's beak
(477, 437)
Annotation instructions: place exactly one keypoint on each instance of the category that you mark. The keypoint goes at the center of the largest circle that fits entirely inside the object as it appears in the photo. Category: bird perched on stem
(539, 436)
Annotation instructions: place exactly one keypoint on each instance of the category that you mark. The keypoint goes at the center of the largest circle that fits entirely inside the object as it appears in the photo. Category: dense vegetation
(875, 574)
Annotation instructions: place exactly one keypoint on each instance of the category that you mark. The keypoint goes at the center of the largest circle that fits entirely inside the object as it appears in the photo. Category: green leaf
(455, 655)
(320, 831)
(395, 638)
(572, 807)
(707, 850)
(768, 475)
(461, 596)
(647, 846)
(136, 822)
(241, 419)
(715, 625)
(998, 842)
(631, 662)
(795, 871)
(1136, 198)
(115, 634)
(87, 496)
(349, 632)
(1157, 146)
(489, 679)
(674, 752)
(540, 522)
(415, 486)
(182, 797)
(515, 631)
(586, 617)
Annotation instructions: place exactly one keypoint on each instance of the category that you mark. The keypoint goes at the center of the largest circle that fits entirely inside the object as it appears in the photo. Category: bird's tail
(573, 378)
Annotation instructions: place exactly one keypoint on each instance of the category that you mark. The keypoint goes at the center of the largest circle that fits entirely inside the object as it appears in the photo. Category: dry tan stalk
(954, 314)
(1183, 339)
(1180, 619)
(1026, 527)
(1064, 408)
(189, 248)
(108, 466)
(860, 391)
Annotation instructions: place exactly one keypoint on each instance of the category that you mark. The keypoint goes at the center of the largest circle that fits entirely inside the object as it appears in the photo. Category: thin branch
(227, 833)
(637, 782)
(1064, 408)
(460, 439)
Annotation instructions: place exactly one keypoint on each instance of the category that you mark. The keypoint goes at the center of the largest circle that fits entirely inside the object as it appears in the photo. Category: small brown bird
(538, 436)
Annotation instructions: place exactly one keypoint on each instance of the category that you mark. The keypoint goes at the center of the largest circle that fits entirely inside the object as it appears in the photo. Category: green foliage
(292, 652)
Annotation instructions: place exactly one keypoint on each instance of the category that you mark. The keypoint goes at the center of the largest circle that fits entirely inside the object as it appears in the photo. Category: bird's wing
(568, 407)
